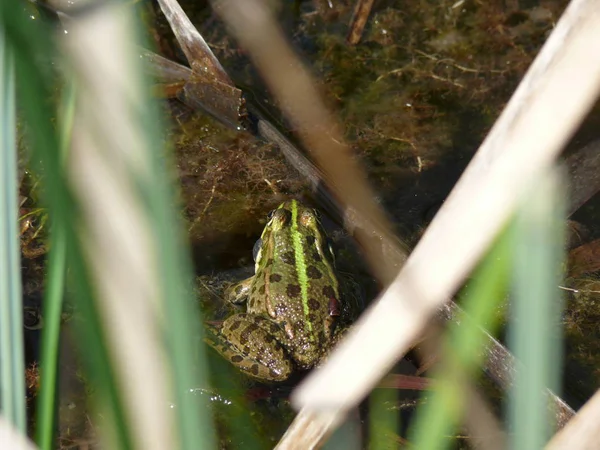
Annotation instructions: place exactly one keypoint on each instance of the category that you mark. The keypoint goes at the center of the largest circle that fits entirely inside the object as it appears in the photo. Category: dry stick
(582, 431)
(542, 115)
(359, 20)
(210, 83)
(198, 53)
(107, 148)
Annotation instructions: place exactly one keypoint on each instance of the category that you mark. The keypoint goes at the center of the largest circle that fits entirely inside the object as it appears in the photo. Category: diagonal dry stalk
(209, 81)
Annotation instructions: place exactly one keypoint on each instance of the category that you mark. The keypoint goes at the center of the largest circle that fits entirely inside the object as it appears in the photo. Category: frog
(293, 313)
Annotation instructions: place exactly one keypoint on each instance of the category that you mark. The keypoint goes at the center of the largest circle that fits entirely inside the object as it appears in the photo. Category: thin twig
(359, 20)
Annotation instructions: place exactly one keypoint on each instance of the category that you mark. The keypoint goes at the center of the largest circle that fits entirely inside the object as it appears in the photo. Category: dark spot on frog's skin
(269, 338)
(261, 290)
(269, 262)
(254, 369)
(246, 350)
(253, 289)
(274, 328)
(313, 304)
(328, 292)
(310, 240)
(235, 325)
(237, 358)
(274, 277)
(288, 257)
(317, 257)
(312, 317)
(313, 273)
(251, 302)
(293, 290)
(247, 332)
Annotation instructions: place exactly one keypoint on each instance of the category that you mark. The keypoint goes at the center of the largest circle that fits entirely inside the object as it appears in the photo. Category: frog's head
(293, 224)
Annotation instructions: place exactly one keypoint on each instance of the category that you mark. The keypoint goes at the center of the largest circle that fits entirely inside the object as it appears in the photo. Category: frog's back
(295, 285)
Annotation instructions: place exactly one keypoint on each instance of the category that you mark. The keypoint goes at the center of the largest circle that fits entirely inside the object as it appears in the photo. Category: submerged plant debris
(417, 95)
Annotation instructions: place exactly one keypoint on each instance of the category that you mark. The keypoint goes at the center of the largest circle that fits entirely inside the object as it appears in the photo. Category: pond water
(416, 97)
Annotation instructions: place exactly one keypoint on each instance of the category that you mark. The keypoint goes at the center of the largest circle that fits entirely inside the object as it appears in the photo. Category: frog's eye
(270, 215)
(256, 249)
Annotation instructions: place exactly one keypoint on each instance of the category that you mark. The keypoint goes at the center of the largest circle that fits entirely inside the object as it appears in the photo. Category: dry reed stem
(107, 160)
(308, 430)
(198, 53)
(582, 431)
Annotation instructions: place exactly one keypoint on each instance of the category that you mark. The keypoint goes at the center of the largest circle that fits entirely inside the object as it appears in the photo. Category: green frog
(294, 313)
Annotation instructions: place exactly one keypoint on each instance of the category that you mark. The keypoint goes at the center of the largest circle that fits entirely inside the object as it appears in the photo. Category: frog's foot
(252, 344)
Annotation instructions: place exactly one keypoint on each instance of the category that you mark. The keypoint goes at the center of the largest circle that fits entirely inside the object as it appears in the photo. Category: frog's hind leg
(253, 345)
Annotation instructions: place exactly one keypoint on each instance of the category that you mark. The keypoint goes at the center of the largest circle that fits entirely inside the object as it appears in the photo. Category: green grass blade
(535, 330)
(183, 317)
(53, 301)
(440, 416)
(383, 420)
(12, 365)
(30, 41)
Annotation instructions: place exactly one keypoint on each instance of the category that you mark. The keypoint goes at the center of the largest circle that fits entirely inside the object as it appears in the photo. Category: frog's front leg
(253, 344)
(238, 293)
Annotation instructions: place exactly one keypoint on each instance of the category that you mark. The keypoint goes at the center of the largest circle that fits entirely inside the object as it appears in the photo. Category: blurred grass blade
(12, 365)
(384, 420)
(535, 331)
(132, 236)
(47, 410)
(31, 41)
(463, 354)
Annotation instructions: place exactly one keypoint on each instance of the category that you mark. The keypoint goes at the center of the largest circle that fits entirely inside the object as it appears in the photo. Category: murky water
(416, 96)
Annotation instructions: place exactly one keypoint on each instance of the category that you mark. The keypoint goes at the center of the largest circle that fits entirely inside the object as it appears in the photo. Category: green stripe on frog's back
(300, 265)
